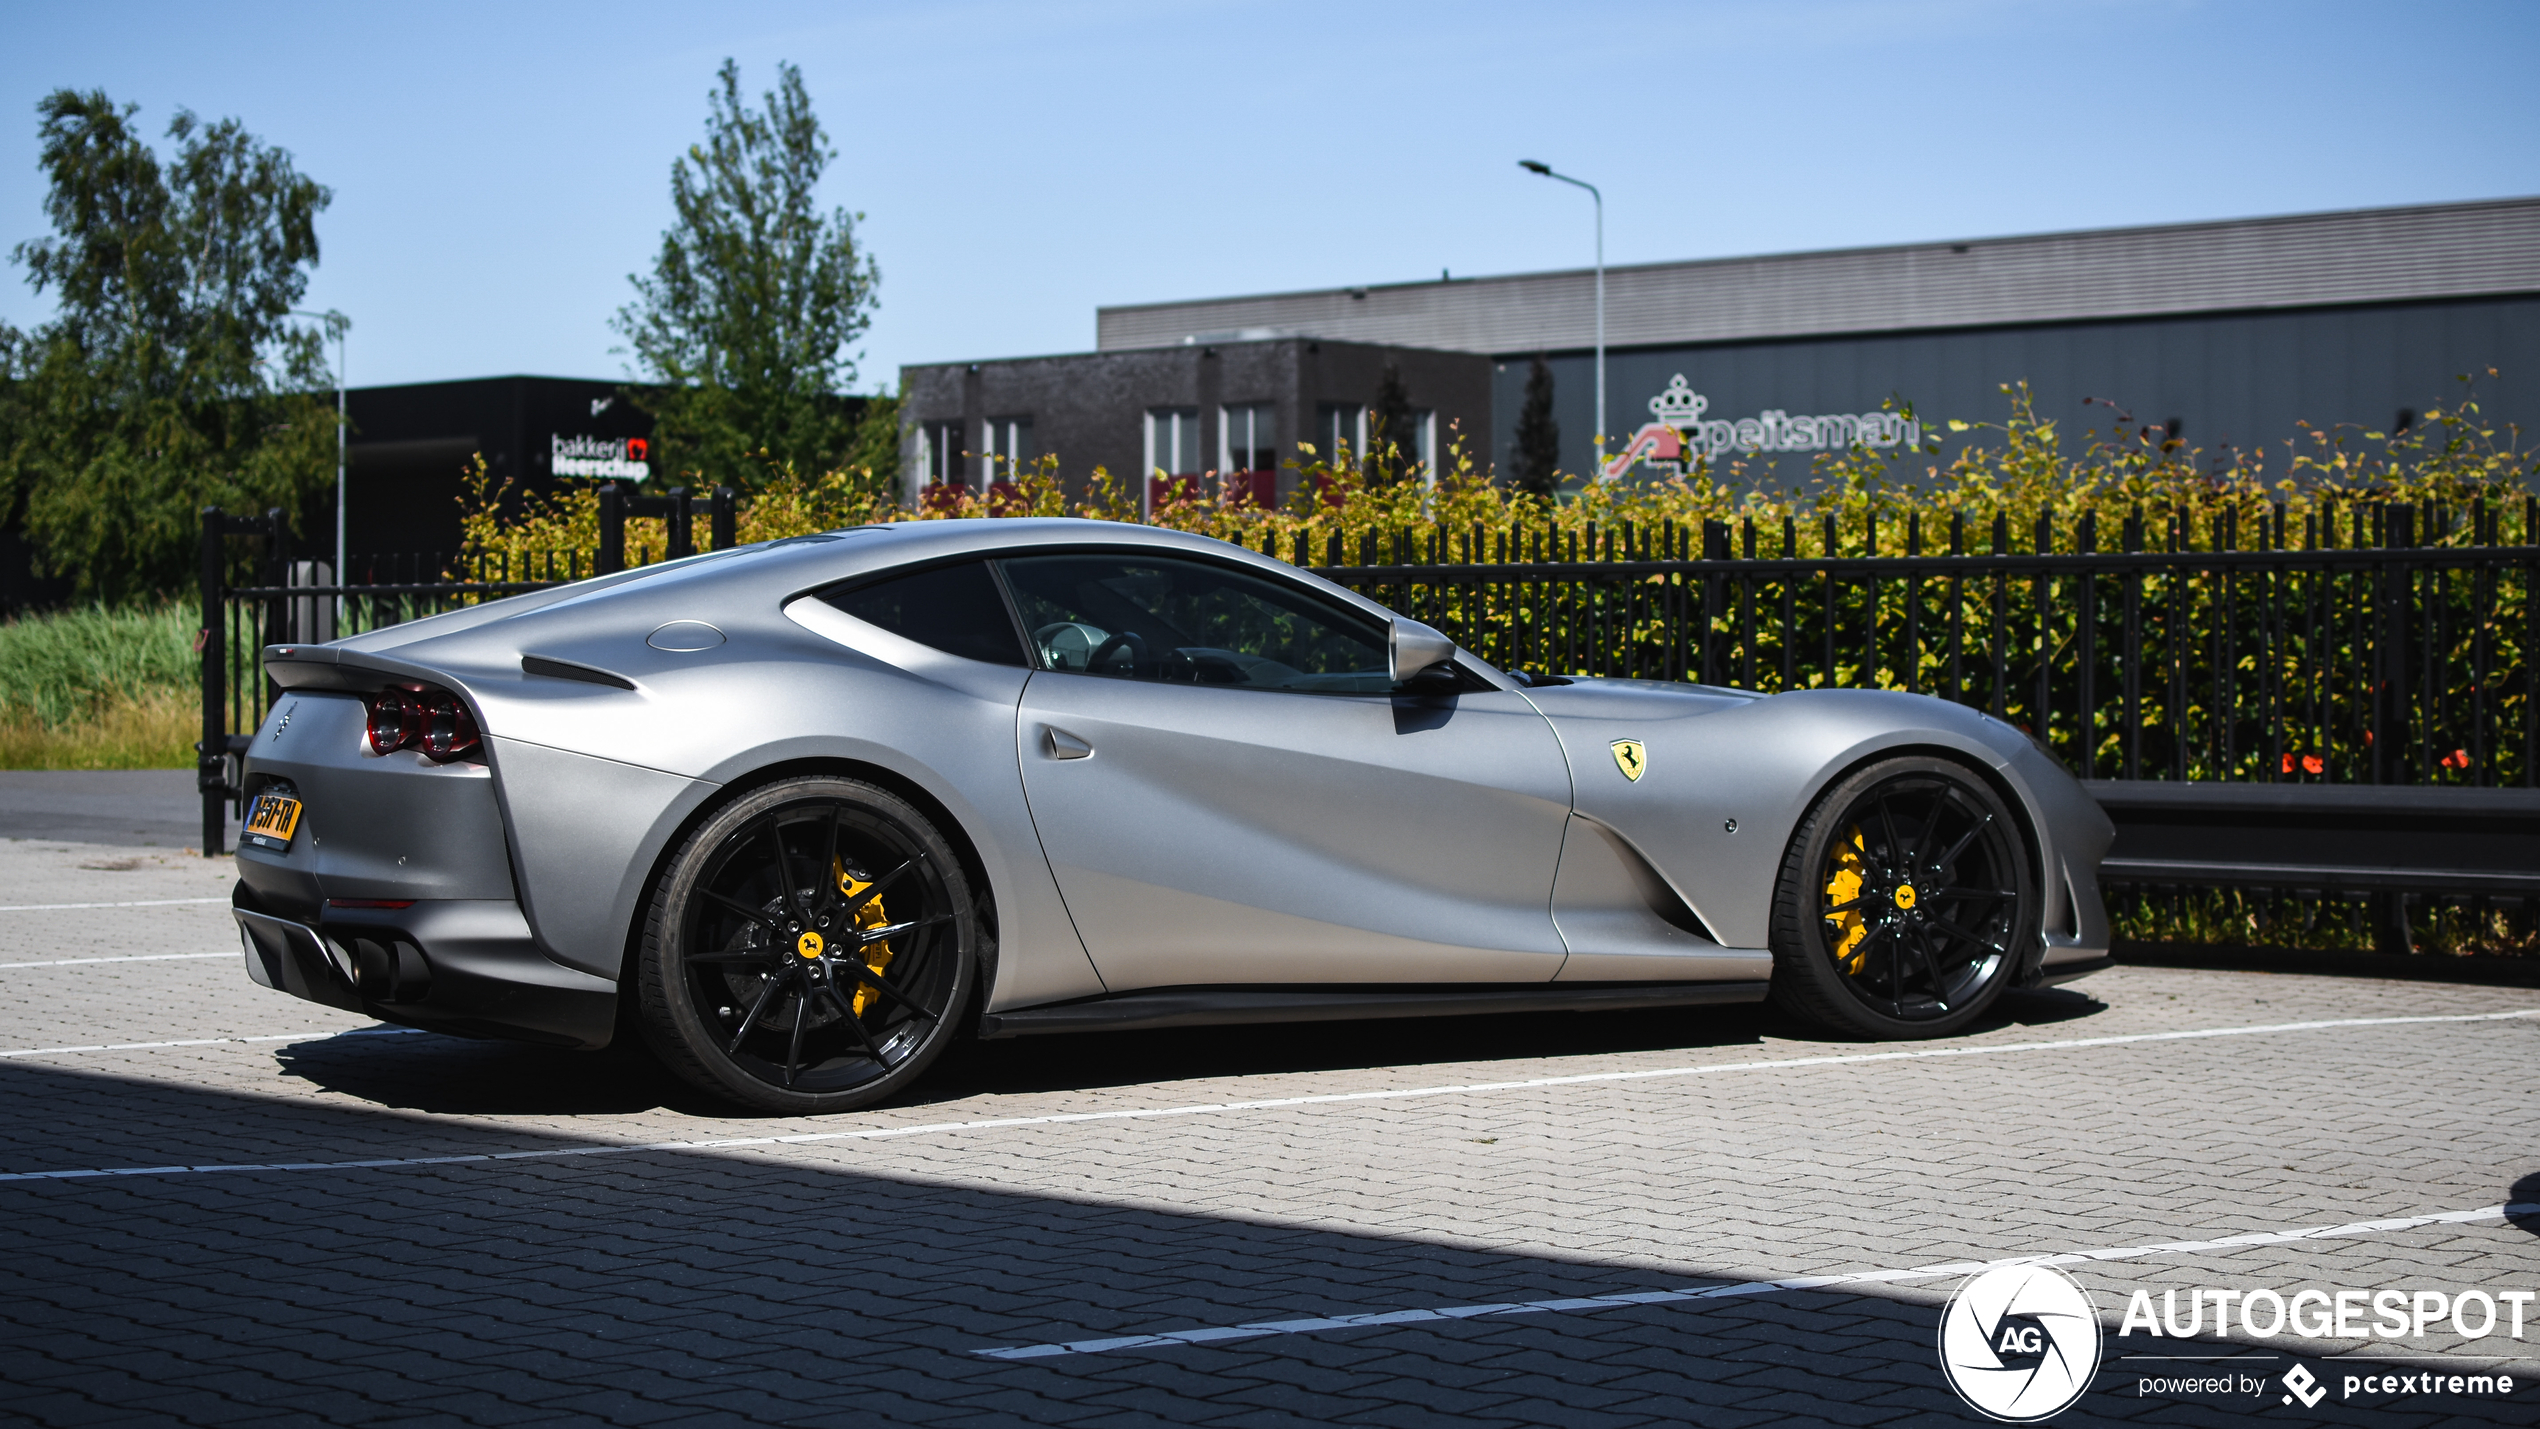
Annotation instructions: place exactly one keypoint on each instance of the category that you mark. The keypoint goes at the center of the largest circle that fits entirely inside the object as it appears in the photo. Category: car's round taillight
(396, 722)
(448, 729)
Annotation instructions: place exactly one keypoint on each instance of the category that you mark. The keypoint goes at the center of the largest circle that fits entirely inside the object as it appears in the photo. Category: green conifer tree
(1536, 467)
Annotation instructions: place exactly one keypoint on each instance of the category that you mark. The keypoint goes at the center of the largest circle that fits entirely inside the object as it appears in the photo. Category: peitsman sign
(1681, 435)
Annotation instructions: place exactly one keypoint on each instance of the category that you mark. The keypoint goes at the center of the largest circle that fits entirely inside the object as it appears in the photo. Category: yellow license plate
(271, 821)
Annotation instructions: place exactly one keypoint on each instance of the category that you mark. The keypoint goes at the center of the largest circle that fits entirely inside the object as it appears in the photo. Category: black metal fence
(2365, 644)
(2398, 650)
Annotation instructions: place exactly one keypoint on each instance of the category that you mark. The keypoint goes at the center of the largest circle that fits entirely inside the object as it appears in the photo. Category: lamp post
(1532, 167)
(336, 323)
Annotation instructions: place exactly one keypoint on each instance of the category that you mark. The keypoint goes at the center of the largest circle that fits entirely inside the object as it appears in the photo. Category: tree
(171, 376)
(875, 450)
(744, 325)
(1538, 454)
(1392, 449)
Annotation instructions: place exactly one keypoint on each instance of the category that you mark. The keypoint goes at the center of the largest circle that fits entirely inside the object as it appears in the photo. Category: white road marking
(880, 1133)
(137, 903)
(208, 1042)
(125, 958)
(1214, 1334)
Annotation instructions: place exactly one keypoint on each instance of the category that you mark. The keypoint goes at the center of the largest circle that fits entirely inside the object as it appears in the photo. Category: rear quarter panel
(597, 782)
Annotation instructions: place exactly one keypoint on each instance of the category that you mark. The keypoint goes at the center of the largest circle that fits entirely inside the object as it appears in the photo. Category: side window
(956, 609)
(1192, 622)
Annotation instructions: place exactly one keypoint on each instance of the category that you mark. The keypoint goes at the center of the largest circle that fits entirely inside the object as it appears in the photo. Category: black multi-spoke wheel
(1906, 902)
(808, 948)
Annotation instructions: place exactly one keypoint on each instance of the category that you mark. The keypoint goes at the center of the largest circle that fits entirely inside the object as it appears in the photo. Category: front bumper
(2080, 947)
(2074, 834)
(466, 966)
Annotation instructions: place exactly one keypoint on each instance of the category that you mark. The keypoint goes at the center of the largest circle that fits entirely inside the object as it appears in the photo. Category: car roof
(770, 573)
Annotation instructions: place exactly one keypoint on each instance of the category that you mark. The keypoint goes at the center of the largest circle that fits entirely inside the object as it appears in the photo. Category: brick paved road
(862, 1277)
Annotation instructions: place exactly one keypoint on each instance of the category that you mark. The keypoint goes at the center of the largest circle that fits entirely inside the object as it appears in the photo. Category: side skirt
(2054, 975)
(1210, 1006)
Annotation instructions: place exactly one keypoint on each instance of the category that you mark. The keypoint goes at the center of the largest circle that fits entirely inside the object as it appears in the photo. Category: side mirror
(1414, 647)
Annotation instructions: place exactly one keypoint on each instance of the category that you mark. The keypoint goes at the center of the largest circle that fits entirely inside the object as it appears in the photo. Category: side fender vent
(562, 670)
(1663, 901)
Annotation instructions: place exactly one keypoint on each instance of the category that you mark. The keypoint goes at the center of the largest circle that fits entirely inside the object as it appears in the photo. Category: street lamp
(336, 323)
(1532, 167)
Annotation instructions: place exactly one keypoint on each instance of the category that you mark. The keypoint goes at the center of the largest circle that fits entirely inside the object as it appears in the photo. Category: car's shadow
(460, 1077)
(1032, 1064)
(2526, 1192)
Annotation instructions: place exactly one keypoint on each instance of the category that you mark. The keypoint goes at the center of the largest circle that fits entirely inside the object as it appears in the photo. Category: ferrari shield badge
(1629, 757)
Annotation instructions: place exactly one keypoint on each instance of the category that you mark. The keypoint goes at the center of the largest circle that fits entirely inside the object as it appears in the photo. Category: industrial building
(2230, 335)
(413, 446)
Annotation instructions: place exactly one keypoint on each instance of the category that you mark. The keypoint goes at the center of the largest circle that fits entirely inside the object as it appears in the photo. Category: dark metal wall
(413, 445)
(2230, 379)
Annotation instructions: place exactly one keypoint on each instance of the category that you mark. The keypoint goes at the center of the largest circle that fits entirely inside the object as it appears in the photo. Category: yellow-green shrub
(2019, 468)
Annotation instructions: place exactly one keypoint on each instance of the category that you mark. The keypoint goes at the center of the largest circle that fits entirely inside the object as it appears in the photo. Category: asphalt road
(222, 1206)
(149, 808)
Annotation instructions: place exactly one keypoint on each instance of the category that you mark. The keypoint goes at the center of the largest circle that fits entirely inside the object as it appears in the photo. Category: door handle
(1059, 744)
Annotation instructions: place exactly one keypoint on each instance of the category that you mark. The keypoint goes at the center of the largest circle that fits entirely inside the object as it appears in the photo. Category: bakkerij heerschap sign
(607, 458)
(1681, 435)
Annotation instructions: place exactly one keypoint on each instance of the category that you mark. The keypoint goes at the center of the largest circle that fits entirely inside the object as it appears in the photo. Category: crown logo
(1679, 405)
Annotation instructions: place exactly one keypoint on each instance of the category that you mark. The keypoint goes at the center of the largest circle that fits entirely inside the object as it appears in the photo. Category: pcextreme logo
(1680, 436)
(2020, 1342)
(2304, 1385)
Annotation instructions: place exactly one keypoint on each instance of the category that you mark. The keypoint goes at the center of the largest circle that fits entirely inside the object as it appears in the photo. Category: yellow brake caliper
(1843, 887)
(877, 957)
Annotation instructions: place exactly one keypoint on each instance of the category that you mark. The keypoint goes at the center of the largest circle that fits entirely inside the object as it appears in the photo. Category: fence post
(677, 520)
(720, 517)
(2086, 650)
(2396, 599)
(1715, 547)
(275, 627)
(612, 554)
(211, 757)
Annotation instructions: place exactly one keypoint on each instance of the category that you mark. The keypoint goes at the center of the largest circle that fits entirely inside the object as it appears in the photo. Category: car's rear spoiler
(329, 667)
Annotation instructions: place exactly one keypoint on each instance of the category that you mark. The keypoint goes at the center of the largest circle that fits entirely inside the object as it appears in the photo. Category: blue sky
(499, 170)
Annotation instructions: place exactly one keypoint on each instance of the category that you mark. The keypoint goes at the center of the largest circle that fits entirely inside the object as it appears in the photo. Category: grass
(99, 688)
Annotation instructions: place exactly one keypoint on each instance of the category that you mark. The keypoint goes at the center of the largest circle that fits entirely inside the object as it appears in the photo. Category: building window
(1339, 424)
(1005, 449)
(1419, 445)
(1173, 456)
(1247, 439)
(938, 454)
(1248, 454)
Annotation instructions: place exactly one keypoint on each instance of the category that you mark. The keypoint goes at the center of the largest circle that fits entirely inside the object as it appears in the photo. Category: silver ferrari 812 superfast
(799, 814)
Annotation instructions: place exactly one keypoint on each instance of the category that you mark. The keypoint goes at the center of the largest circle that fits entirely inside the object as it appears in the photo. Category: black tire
(762, 978)
(1907, 901)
